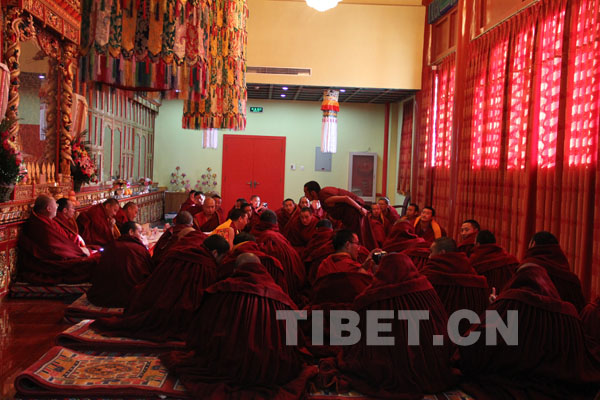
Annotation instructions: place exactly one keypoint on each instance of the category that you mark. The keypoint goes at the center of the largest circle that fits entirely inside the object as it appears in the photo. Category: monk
(455, 281)
(492, 261)
(303, 202)
(550, 357)
(238, 219)
(387, 211)
(97, 225)
(247, 208)
(242, 353)
(411, 213)
(317, 210)
(301, 228)
(238, 204)
(208, 219)
(468, 233)
(590, 317)
(427, 227)
(286, 213)
(65, 217)
(219, 206)
(345, 206)
(379, 225)
(183, 226)
(345, 245)
(545, 251)
(47, 255)
(401, 370)
(124, 263)
(402, 238)
(126, 214)
(318, 248)
(162, 307)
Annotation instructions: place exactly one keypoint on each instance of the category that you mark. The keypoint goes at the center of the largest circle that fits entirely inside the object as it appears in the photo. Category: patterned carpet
(82, 309)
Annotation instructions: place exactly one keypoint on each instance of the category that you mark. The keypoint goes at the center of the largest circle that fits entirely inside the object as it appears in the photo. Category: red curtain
(406, 138)
(421, 164)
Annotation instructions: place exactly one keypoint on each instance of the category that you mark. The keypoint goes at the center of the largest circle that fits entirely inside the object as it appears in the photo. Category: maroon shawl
(493, 262)
(467, 244)
(298, 234)
(123, 264)
(552, 359)
(379, 228)
(121, 218)
(163, 306)
(283, 217)
(69, 226)
(552, 258)
(168, 239)
(428, 233)
(242, 352)
(401, 237)
(206, 224)
(47, 255)
(339, 262)
(390, 214)
(590, 316)
(95, 227)
(186, 205)
(400, 371)
(315, 247)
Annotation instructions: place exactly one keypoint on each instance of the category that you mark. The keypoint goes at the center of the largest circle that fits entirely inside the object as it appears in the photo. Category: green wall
(360, 129)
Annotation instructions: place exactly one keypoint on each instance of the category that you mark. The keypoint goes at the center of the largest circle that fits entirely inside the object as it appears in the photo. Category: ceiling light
(257, 87)
(322, 5)
(284, 88)
(282, 95)
(343, 90)
(42, 76)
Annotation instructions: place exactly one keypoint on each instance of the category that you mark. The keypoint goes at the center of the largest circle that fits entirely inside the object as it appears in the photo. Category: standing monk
(98, 225)
(345, 206)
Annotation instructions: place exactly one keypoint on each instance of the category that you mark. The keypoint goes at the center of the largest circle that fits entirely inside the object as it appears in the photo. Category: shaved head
(209, 206)
(246, 258)
(45, 205)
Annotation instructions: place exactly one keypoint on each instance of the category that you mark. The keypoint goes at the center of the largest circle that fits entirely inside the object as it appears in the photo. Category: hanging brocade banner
(225, 104)
(330, 108)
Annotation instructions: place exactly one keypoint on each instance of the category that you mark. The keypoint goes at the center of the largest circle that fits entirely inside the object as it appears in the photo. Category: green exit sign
(256, 109)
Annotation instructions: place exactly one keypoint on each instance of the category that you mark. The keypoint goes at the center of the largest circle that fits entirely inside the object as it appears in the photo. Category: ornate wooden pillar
(66, 73)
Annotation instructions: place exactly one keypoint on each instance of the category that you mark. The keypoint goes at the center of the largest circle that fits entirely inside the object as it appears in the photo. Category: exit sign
(256, 109)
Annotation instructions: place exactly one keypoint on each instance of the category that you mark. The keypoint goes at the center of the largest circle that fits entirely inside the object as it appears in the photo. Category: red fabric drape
(404, 165)
(421, 176)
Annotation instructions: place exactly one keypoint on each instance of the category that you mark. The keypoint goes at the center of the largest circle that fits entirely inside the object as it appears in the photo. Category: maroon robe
(391, 215)
(317, 212)
(121, 218)
(457, 284)
(124, 263)
(163, 306)
(242, 352)
(402, 238)
(206, 224)
(168, 239)
(552, 359)
(339, 262)
(69, 226)
(283, 217)
(590, 317)
(428, 234)
(467, 244)
(187, 205)
(221, 213)
(47, 256)
(400, 371)
(350, 217)
(493, 262)
(318, 249)
(378, 226)
(95, 227)
(551, 257)
(299, 234)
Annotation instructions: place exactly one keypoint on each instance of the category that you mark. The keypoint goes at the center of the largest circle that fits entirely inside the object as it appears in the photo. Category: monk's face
(111, 211)
(353, 246)
(305, 218)
(304, 202)
(382, 204)
(209, 207)
(288, 206)
(376, 210)
(248, 211)
(426, 215)
(218, 202)
(255, 201)
(241, 222)
(466, 229)
(199, 199)
(138, 231)
(434, 250)
(52, 207)
(131, 212)
(310, 195)
(69, 210)
(411, 211)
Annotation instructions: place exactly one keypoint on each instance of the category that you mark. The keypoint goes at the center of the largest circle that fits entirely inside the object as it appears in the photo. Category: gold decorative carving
(66, 69)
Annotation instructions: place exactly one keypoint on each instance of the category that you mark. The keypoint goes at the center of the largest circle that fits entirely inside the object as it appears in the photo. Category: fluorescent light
(282, 95)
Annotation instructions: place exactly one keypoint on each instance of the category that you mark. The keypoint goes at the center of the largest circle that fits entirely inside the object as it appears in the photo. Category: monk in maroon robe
(301, 228)
(124, 263)
(163, 306)
(402, 238)
(411, 213)
(193, 204)
(183, 226)
(379, 225)
(97, 225)
(398, 370)
(286, 213)
(344, 206)
(427, 227)
(545, 251)
(590, 317)
(492, 261)
(47, 255)
(318, 248)
(126, 214)
(317, 210)
(468, 233)
(219, 206)
(388, 212)
(455, 281)
(242, 352)
(551, 358)
(346, 246)
(208, 219)
(65, 217)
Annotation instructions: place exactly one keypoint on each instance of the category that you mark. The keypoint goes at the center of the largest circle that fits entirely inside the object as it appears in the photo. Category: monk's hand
(113, 221)
(493, 296)
(363, 211)
(86, 251)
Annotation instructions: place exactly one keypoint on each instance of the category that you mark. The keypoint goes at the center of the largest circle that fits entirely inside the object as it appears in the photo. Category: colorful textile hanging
(210, 138)
(330, 108)
(225, 104)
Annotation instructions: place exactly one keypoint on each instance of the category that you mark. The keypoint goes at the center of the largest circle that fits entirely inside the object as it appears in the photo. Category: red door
(253, 165)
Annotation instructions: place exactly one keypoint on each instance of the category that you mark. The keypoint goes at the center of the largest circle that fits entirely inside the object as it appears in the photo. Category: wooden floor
(27, 330)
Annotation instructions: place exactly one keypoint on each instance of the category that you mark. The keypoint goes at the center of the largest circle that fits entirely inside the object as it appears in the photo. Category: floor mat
(22, 289)
(82, 309)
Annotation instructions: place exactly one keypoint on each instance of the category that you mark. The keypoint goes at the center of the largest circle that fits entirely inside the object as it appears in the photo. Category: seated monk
(286, 213)
(549, 356)
(426, 226)
(252, 218)
(124, 263)
(193, 204)
(388, 212)
(275, 244)
(242, 358)
(47, 255)
(590, 317)
(238, 219)
(97, 225)
(238, 204)
(411, 213)
(219, 205)
(468, 233)
(163, 306)
(65, 217)
(492, 261)
(318, 248)
(346, 207)
(402, 238)
(301, 228)
(398, 370)
(455, 281)
(208, 219)
(346, 247)
(545, 251)
(126, 214)
(317, 210)
(379, 225)
(183, 226)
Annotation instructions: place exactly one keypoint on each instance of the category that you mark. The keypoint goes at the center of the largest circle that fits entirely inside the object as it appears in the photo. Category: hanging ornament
(330, 108)
(210, 138)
